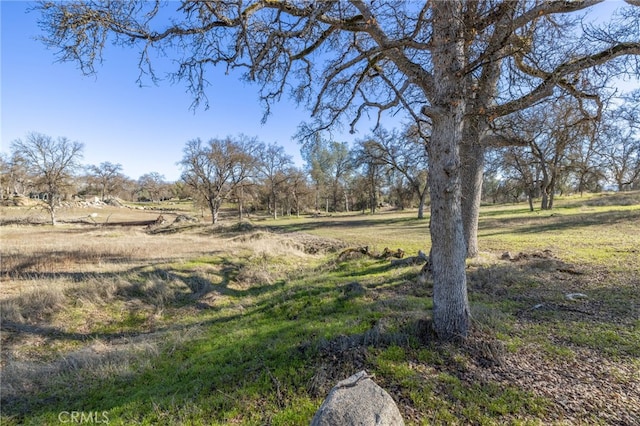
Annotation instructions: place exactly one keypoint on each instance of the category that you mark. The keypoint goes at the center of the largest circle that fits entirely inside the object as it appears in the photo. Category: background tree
(455, 64)
(181, 190)
(329, 164)
(619, 139)
(405, 153)
(5, 176)
(521, 173)
(372, 168)
(152, 186)
(297, 190)
(107, 177)
(585, 164)
(50, 163)
(551, 131)
(271, 167)
(14, 177)
(340, 171)
(215, 169)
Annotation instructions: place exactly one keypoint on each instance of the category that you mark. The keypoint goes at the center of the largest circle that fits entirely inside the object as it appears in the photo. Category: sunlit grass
(219, 325)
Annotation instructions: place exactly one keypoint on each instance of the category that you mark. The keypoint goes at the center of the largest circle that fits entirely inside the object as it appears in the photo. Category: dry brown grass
(78, 279)
(80, 302)
(36, 251)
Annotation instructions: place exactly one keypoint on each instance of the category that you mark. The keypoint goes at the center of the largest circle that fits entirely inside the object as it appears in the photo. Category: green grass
(252, 331)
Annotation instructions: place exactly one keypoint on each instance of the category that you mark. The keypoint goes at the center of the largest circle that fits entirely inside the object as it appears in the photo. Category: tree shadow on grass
(555, 223)
(356, 221)
(544, 292)
(269, 346)
(291, 343)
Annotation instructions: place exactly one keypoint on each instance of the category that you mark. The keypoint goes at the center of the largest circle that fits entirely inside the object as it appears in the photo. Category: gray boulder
(358, 401)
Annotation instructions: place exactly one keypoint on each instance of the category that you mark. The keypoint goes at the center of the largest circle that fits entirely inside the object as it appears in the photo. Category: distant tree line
(553, 148)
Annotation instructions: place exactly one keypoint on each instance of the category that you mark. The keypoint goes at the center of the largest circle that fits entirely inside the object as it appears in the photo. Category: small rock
(575, 296)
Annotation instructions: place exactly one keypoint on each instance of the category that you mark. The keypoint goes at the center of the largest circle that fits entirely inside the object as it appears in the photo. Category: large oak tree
(456, 64)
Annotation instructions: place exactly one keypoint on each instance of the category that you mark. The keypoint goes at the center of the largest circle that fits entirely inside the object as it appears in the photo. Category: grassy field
(107, 320)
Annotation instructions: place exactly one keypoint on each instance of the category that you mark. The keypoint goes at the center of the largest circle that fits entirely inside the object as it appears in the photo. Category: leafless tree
(620, 145)
(152, 185)
(271, 166)
(215, 169)
(406, 154)
(108, 177)
(14, 178)
(551, 131)
(456, 64)
(5, 176)
(297, 189)
(50, 164)
(584, 162)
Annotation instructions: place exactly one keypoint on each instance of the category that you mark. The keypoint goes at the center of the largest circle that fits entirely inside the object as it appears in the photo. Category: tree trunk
(472, 158)
(449, 248)
(544, 203)
(472, 150)
(451, 314)
(530, 198)
(544, 193)
(52, 213)
(552, 191)
(51, 205)
(240, 199)
(423, 200)
(317, 202)
(275, 207)
(214, 207)
(373, 199)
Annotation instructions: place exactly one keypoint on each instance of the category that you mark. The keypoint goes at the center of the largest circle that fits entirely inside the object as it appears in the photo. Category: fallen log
(147, 223)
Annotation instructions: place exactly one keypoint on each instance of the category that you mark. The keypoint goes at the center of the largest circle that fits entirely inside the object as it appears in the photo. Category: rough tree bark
(472, 157)
(451, 312)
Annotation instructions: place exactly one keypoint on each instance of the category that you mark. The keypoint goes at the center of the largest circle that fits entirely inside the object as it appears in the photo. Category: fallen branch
(411, 261)
(351, 253)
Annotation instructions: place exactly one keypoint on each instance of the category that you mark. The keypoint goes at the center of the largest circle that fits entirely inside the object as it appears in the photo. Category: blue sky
(142, 128)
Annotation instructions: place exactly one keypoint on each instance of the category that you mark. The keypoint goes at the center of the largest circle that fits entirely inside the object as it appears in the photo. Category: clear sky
(142, 128)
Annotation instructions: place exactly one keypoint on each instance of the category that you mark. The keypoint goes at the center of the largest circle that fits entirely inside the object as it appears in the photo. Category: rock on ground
(358, 401)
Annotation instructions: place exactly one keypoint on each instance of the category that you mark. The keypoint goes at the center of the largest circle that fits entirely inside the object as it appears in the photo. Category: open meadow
(253, 323)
